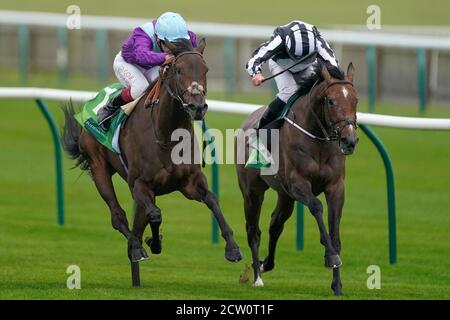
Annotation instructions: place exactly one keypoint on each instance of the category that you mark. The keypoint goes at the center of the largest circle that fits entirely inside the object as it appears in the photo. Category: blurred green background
(35, 252)
(321, 12)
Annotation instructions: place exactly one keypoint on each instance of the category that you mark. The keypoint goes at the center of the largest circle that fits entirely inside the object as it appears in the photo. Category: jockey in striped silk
(288, 44)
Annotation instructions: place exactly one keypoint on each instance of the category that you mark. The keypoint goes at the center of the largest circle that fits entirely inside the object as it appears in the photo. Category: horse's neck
(310, 114)
(170, 117)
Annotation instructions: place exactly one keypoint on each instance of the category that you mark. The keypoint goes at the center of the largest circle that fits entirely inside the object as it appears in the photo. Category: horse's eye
(178, 71)
(331, 102)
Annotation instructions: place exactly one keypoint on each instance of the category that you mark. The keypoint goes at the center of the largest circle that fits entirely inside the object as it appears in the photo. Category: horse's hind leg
(335, 199)
(102, 178)
(285, 206)
(197, 189)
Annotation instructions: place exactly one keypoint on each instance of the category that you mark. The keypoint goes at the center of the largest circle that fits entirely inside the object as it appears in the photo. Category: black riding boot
(105, 113)
(271, 113)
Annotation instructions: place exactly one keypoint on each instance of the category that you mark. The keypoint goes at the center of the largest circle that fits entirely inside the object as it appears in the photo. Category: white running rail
(226, 107)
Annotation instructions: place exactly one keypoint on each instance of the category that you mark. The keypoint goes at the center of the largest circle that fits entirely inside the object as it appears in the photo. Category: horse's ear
(171, 46)
(350, 72)
(201, 45)
(325, 74)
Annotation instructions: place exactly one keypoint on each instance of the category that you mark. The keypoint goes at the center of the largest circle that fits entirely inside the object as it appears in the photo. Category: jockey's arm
(141, 53)
(324, 50)
(257, 79)
(264, 52)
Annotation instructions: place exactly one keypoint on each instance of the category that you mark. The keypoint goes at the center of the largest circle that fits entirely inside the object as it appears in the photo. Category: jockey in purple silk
(143, 52)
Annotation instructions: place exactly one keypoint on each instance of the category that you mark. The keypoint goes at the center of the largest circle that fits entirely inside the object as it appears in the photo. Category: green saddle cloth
(87, 117)
(259, 157)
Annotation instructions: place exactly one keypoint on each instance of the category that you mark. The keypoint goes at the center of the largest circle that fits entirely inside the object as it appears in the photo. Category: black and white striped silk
(288, 44)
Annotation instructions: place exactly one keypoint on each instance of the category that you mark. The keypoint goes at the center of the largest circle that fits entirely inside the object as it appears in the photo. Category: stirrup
(104, 123)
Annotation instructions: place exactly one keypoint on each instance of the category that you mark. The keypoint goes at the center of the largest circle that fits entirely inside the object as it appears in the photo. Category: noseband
(175, 92)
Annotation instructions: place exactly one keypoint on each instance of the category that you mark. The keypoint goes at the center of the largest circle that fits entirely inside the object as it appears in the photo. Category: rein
(314, 53)
(333, 125)
(174, 94)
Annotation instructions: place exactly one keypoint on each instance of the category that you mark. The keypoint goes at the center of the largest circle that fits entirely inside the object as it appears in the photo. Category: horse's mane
(181, 45)
(314, 75)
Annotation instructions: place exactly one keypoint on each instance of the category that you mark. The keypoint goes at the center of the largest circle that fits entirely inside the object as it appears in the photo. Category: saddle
(152, 98)
(278, 121)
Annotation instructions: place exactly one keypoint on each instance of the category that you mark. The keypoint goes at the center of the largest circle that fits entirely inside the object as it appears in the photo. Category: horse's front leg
(302, 192)
(197, 189)
(335, 199)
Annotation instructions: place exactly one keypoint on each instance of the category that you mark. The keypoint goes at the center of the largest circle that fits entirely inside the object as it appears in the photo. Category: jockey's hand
(257, 79)
(169, 58)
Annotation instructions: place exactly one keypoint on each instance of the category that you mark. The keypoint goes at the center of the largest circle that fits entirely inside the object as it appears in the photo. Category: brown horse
(311, 161)
(146, 146)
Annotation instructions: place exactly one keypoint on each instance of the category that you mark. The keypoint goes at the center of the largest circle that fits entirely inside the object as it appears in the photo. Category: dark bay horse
(146, 145)
(308, 166)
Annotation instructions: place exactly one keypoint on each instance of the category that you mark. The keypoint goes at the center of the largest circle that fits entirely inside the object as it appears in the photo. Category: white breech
(134, 76)
(285, 82)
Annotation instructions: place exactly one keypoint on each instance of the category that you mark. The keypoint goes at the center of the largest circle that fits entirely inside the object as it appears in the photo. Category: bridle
(171, 70)
(334, 126)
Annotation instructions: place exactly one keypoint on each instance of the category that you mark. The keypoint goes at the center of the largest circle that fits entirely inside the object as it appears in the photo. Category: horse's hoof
(155, 246)
(233, 255)
(336, 286)
(333, 261)
(338, 293)
(265, 266)
(139, 254)
(258, 283)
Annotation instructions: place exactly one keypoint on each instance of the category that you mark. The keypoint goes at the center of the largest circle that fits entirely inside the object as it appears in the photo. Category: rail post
(62, 53)
(214, 182)
(390, 192)
(58, 160)
(228, 45)
(422, 79)
(371, 77)
(23, 35)
(101, 44)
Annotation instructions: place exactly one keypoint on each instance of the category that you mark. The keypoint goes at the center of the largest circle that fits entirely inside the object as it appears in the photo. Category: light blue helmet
(171, 26)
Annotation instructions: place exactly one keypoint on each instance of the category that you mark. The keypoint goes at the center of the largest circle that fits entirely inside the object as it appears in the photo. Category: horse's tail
(70, 136)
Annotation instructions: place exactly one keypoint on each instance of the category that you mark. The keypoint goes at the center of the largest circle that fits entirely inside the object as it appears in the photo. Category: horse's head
(185, 77)
(339, 103)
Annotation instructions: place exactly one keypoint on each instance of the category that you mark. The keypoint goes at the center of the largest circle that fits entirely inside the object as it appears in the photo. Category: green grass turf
(321, 12)
(35, 252)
